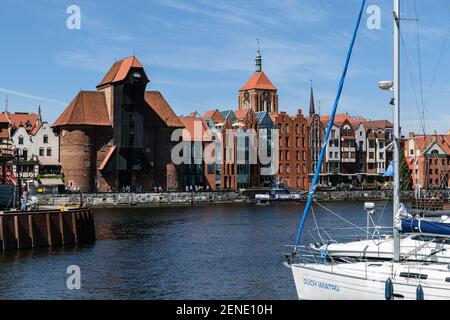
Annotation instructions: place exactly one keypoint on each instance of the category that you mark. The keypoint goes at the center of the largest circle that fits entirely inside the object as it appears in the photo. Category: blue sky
(198, 53)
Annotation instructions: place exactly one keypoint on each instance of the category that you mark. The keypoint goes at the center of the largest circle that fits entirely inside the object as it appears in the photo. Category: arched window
(21, 140)
(45, 139)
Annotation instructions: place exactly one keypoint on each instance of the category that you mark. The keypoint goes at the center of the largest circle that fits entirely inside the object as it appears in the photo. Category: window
(381, 144)
(333, 134)
(371, 155)
(45, 138)
(49, 152)
(331, 154)
(86, 163)
(25, 153)
(287, 129)
(287, 169)
(381, 156)
(287, 156)
(41, 152)
(371, 144)
(20, 140)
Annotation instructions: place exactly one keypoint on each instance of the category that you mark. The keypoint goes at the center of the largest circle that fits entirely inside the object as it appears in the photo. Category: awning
(107, 158)
(51, 182)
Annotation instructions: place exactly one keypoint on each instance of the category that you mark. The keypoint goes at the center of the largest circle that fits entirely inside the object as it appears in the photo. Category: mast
(397, 138)
(315, 180)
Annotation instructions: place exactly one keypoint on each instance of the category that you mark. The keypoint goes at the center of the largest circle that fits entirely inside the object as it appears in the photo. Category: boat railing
(309, 255)
(320, 235)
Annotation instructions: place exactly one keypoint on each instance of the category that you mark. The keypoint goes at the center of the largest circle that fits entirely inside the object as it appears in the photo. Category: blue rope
(330, 125)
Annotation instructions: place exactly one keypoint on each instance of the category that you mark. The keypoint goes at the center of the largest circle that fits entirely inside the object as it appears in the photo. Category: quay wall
(189, 198)
(50, 228)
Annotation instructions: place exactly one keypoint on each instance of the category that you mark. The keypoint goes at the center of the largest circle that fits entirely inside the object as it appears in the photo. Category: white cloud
(32, 97)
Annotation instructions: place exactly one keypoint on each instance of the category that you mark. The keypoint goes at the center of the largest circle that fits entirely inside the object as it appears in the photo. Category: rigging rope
(441, 55)
(330, 125)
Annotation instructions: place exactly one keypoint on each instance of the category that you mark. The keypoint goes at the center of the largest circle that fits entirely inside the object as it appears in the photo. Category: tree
(405, 178)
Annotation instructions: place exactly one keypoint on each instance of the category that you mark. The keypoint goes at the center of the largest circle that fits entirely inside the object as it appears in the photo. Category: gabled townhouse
(428, 159)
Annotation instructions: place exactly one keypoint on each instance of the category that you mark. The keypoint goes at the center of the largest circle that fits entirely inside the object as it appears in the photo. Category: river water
(206, 252)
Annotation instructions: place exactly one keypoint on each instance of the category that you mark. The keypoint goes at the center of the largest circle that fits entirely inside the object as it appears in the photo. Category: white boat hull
(359, 281)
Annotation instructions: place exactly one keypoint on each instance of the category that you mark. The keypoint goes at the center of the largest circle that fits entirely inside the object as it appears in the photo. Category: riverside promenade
(107, 200)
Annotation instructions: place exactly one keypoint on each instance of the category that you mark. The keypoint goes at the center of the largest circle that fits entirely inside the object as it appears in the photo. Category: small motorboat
(278, 194)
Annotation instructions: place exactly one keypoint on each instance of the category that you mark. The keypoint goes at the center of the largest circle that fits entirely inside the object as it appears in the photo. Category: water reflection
(211, 252)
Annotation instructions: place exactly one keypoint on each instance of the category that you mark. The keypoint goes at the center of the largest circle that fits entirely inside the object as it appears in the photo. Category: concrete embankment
(188, 198)
(141, 199)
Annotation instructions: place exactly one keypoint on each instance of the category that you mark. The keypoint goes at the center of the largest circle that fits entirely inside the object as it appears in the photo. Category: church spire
(312, 108)
(258, 59)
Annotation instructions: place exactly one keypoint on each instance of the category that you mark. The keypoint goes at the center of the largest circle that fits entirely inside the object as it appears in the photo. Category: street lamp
(386, 85)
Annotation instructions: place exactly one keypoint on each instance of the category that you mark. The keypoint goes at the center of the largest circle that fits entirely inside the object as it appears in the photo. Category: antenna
(6, 103)
(134, 52)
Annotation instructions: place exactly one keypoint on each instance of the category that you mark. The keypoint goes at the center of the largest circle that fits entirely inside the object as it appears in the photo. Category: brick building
(428, 159)
(198, 155)
(119, 135)
(293, 148)
(260, 95)
(357, 151)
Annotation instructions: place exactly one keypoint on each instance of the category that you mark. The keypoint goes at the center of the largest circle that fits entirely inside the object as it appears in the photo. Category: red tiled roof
(195, 129)
(36, 129)
(443, 141)
(4, 133)
(157, 102)
(241, 114)
(259, 80)
(119, 70)
(209, 114)
(377, 124)
(20, 119)
(4, 118)
(337, 118)
(88, 109)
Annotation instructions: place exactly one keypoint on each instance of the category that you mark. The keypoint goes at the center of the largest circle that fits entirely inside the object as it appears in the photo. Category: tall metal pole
(397, 137)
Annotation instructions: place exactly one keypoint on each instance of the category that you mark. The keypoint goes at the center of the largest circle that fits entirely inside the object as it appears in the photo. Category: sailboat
(377, 279)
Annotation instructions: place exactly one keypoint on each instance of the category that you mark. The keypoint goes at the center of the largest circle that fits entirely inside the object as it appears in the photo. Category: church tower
(259, 94)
